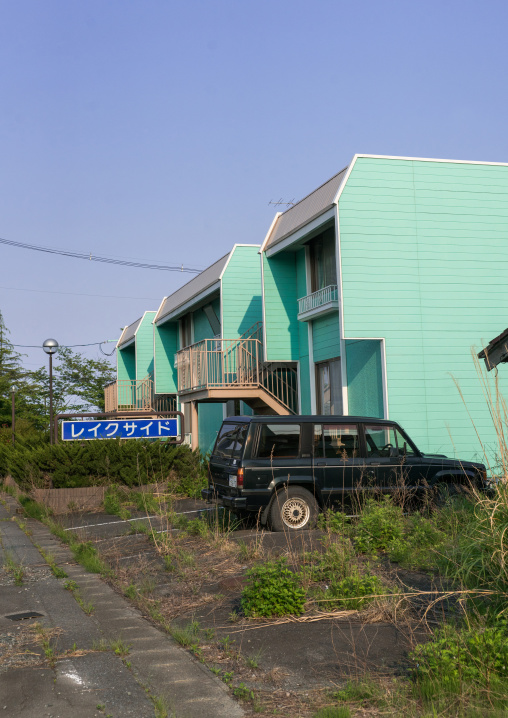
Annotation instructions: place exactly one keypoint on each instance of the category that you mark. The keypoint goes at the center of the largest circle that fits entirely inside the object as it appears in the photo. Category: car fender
(448, 474)
(276, 485)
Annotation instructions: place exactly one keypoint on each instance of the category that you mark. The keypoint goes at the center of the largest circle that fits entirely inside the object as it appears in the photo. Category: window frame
(255, 452)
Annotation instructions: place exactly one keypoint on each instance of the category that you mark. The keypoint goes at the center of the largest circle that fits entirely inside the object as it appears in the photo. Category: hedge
(88, 463)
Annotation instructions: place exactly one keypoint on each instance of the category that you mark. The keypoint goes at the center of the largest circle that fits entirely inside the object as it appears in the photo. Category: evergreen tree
(11, 372)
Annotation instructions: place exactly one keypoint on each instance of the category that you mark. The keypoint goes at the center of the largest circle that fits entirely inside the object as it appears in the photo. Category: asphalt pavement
(58, 671)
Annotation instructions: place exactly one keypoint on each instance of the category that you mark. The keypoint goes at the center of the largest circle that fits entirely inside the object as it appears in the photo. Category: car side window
(279, 441)
(380, 440)
(386, 441)
(336, 441)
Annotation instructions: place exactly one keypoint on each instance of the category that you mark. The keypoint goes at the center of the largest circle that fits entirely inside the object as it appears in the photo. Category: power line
(67, 346)
(96, 258)
(78, 294)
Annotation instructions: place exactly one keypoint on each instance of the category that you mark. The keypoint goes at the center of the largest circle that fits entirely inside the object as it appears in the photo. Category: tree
(11, 372)
(79, 382)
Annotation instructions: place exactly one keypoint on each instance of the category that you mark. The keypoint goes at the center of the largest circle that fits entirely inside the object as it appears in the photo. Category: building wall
(126, 363)
(144, 346)
(165, 344)
(326, 337)
(202, 327)
(241, 292)
(281, 307)
(210, 417)
(365, 377)
(422, 246)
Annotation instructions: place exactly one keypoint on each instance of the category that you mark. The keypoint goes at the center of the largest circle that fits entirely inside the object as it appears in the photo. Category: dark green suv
(287, 468)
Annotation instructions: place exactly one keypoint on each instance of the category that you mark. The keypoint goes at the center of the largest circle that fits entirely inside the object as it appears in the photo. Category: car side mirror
(394, 452)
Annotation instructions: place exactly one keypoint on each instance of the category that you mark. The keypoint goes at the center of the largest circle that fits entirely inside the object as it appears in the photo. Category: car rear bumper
(235, 503)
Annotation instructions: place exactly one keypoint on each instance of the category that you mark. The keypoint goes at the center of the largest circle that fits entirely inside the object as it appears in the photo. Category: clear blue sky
(161, 130)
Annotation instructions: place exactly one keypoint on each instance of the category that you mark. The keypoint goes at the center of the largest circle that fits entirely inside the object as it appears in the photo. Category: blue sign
(119, 429)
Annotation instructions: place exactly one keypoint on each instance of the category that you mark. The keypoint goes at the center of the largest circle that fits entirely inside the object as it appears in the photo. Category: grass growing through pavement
(15, 569)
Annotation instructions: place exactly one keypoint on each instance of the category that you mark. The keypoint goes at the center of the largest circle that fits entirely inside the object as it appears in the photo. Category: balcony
(318, 303)
(129, 395)
(222, 369)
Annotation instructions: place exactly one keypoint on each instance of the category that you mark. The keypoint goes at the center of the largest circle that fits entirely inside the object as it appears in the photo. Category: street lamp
(50, 346)
(13, 422)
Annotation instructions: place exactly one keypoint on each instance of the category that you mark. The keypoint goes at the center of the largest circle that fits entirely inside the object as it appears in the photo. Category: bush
(472, 660)
(69, 465)
(380, 524)
(420, 545)
(351, 593)
(273, 590)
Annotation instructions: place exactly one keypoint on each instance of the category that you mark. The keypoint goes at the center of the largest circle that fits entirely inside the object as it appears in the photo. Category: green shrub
(351, 593)
(380, 524)
(113, 504)
(75, 464)
(420, 545)
(464, 660)
(273, 590)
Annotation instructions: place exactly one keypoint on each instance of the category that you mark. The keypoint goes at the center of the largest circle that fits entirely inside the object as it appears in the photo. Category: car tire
(293, 509)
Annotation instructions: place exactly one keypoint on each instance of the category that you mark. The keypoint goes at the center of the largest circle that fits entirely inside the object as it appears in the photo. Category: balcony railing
(234, 363)
(129, 395)
(323, 299)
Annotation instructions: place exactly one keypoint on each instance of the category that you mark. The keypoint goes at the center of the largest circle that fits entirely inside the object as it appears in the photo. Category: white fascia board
(117, 345)
(184, 308)
(127, 344)
(158, 310)
(269, 233)
(433, 159)
(299, 234)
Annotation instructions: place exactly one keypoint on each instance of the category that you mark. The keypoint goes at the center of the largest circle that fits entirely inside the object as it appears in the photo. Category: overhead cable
(96, 258)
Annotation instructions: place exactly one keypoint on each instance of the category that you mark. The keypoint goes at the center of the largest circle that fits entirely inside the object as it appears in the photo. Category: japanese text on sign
(119, 429)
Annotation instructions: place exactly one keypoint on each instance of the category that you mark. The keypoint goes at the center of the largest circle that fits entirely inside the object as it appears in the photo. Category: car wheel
(293, 509)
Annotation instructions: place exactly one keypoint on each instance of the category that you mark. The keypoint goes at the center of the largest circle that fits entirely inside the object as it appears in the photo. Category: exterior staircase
(223, 369)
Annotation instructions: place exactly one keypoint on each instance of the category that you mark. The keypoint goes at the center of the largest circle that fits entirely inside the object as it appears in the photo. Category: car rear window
(231, 441)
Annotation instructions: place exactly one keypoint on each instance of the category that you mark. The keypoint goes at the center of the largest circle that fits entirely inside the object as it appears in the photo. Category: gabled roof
(307, 209)
(205, 280)
(129, 332)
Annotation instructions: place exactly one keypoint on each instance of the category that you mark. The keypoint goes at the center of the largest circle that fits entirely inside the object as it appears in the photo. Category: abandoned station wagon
(287, 468)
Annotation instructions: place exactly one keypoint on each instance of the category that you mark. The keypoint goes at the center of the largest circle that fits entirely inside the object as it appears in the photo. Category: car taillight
(239, 479)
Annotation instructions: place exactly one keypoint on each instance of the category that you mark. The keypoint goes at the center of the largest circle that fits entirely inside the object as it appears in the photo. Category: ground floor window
(329, 387)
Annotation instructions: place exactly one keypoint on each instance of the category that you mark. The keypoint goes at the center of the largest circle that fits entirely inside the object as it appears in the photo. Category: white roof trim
(299, 234)
(432, 159)
(268, 234)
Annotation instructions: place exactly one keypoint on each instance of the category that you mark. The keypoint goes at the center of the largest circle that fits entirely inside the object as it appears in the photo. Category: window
(386, 441)
(329, 388)
(279, 441)
(231, 441)
(323, 265)
(336, 441)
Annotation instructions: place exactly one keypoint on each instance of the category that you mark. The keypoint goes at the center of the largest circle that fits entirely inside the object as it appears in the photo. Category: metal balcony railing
(129, 395)
(321, 298)
(234, 363)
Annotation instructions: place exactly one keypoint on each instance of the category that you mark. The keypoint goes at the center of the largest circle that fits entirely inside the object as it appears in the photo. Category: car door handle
(321, 463)
(374, 464)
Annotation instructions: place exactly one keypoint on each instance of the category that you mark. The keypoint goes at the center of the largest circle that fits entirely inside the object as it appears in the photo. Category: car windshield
(231, 440)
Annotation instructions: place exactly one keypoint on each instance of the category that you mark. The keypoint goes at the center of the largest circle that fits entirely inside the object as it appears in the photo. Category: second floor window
(323, 265)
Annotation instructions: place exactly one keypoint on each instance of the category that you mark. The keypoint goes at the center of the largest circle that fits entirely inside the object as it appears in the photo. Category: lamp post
(13, 422)
(50, 346)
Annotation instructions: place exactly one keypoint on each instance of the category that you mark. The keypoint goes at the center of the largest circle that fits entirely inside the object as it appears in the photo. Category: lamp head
(50, 346)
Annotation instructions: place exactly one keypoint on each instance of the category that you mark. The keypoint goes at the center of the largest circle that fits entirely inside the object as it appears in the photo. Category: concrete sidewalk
(87, 682)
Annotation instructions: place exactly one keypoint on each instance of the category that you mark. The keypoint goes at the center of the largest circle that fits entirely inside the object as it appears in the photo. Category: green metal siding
(326, 337)
(281, 307)
(210, 417)
(241, 292)
(144, 346)
(364, 377)
(422, 246)
(303, 337)
(166, 341)
(126, 363)
(202, 328)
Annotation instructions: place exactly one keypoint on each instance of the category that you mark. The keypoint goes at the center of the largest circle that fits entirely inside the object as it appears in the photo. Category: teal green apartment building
(380, 284)
(368, 297)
